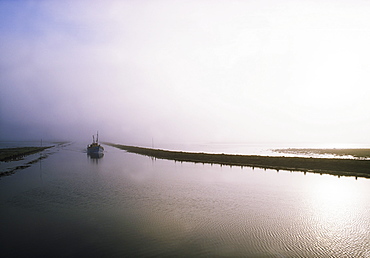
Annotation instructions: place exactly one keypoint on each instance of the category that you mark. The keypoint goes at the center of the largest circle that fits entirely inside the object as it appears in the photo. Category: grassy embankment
(9, 154)
(339, 167)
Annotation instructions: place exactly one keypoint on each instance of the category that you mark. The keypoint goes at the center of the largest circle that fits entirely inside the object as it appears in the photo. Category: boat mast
(97, 136)
(93, 139)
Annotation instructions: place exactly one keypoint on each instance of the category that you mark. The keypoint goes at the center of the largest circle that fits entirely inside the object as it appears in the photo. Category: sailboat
(95, 147)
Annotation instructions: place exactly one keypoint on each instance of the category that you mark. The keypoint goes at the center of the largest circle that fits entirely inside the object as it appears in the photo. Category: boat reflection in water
(95, 157)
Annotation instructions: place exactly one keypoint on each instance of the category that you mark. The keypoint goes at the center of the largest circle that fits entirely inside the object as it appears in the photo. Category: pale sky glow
(186, 71)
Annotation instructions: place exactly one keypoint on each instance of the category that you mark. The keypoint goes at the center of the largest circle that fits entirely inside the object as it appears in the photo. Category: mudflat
(356, 153)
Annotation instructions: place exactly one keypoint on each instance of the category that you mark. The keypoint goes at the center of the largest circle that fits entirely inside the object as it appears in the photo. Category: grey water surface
(127, 205)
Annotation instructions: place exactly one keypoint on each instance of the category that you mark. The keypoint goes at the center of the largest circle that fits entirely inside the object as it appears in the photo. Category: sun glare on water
(334, 205)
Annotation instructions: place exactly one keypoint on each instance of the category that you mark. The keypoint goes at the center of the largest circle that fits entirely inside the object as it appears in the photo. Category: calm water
(127, 205)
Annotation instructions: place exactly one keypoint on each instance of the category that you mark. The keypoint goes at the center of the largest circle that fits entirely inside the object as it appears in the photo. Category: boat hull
(95, 149)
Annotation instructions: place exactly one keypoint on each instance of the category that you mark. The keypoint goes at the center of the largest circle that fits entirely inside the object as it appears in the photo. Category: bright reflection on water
(341, 215)
(125, 204)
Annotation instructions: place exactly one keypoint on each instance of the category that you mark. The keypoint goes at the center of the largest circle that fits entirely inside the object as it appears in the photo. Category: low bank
(339, 167)
(9, 154)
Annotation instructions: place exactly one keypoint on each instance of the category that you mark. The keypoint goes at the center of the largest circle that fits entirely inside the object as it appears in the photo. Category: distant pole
(152, 143)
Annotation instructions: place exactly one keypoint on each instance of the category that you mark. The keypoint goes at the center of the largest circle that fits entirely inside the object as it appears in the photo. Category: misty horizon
(185, 72)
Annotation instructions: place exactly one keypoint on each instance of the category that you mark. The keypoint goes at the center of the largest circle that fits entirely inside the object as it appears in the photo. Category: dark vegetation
(339, 167)
(9, 154)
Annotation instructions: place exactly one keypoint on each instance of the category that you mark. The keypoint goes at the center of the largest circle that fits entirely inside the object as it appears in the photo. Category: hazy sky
(186, 71)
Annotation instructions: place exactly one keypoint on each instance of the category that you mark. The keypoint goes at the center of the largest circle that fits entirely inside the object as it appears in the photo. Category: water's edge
(338, 167)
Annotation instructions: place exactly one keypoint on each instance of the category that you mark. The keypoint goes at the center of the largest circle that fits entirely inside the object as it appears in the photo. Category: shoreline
(18, 153)
(10, 154)
(332, 166)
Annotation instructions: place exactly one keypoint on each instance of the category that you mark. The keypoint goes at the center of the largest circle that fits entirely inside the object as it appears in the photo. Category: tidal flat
(355, 153)
(19, 153)
(333, 166)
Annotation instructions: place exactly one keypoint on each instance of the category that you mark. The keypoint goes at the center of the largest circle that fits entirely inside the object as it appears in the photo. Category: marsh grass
(10, 154)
